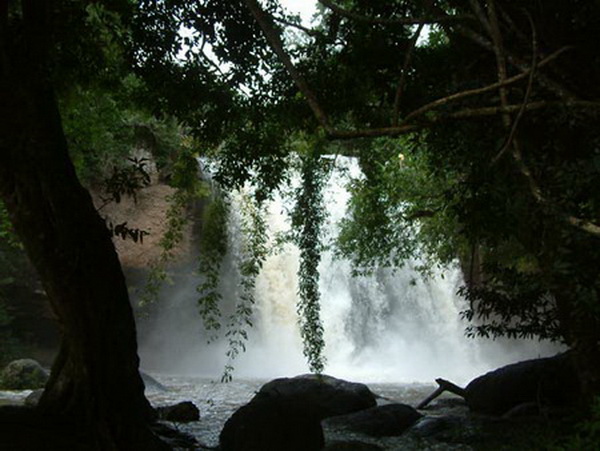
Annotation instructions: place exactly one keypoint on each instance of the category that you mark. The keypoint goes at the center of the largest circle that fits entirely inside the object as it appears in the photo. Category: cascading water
(392, 326)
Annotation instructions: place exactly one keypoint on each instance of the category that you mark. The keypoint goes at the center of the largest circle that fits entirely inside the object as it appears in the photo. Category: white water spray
(387, 327)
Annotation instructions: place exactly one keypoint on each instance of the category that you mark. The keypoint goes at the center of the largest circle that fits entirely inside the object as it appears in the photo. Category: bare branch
(276, 44)
(480, 40)
(472, 92)
(513, 130)
(402, 82)
(494, 28)
(478, 10)
(395, 21)
(467, 113)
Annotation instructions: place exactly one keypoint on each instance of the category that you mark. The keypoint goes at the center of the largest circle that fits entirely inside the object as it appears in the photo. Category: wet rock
(273, 423)
(326, 395)
(286, 413)
(382, 421)
(182, 412)
(24, 374)
(432, 427)
(549, 381)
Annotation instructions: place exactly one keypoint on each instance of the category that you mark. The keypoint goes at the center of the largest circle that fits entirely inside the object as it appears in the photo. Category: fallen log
(550, 381)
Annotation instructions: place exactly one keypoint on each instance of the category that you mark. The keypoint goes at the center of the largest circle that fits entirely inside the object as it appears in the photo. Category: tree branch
(276, 44)
(472, 92)
(477, 38)
(515, 124)
(396, 21)
(308, 31)
(443, 385)
(407, 59)
(494, 28)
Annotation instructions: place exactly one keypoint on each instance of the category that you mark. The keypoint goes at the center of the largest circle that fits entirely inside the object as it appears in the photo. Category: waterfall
(391, 326)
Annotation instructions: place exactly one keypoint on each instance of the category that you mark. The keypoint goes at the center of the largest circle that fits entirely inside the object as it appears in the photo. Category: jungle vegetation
(474, 124)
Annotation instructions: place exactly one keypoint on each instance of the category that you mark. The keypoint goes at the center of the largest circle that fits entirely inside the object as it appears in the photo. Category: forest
(474, 125)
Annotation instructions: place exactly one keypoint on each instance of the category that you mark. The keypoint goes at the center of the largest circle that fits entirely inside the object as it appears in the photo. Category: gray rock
(24, 374)
(549, 381)
(382, 421)
(286, 413)
(434, 426)
(272, 424)
(326, 395)
(182, 412)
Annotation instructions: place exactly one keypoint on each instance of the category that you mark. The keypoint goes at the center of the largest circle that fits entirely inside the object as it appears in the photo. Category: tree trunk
(95, 377)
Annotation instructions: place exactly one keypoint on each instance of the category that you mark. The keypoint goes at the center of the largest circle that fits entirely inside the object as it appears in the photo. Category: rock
(382, 421)
(286, 413)
(548, 381)
(24, 374)
(352, 445)
(33, 399)
(430, 427)
(272, 423)
(182, 412)
(326, 395)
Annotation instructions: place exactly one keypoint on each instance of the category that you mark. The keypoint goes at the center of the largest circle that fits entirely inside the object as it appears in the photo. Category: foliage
(307, 217)
(253, 254)
(399, 209)
(586, 435)
(127, 181)
(189, 189)
(213, 247)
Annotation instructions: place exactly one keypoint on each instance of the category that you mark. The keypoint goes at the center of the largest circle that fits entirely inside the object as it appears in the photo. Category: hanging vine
(308, 216)
(213, 247)
(189, 188)
(254, 252)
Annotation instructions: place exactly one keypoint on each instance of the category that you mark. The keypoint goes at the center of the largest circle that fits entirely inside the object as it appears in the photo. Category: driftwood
(443, 385)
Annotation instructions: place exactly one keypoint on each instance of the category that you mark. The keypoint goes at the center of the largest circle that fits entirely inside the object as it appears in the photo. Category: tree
(95, 379)
(503, 100)
(478, 99)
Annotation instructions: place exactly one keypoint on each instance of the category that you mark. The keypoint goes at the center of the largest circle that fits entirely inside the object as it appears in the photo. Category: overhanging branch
(395, 21)
(276, 44)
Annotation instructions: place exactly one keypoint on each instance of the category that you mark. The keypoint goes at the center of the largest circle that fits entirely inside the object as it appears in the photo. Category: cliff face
(148, 213)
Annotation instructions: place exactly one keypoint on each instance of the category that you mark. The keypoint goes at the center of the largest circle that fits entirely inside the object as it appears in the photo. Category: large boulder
(550, 381)
(182, 412)
(272, 424)
(327, 396)
(24, 374)
(383, 421)
(286, 413)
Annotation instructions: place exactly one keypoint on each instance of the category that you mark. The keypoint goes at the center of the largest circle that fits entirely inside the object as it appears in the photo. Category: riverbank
(447, 425)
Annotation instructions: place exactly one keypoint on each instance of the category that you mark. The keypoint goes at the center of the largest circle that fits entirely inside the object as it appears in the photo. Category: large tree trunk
(95, 378)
